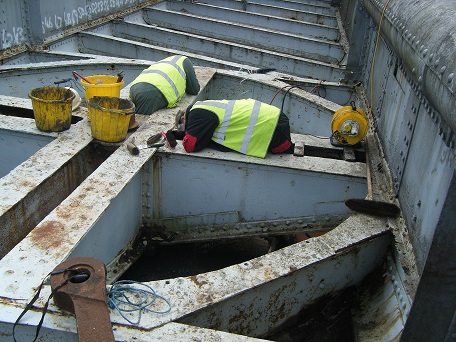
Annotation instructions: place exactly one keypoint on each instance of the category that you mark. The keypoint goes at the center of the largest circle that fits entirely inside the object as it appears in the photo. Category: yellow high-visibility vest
(245, 125)
(168, 76)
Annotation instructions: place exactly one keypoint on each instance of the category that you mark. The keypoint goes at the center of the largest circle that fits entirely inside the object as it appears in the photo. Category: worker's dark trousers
(147, 98)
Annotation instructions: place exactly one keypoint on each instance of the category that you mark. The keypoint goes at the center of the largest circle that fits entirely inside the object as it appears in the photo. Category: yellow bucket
(101, 85)
(52, 108)
(110, 117)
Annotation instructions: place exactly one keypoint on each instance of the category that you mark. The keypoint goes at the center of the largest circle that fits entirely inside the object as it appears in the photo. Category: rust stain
(62, 213)
(268, 273)
(87, 299)
(46, 236)
(74, 204)
(198, 283)
(244, 314)
(27, 184)
(204, 298)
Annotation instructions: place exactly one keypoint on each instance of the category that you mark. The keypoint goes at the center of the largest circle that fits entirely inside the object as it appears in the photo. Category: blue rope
(118, 298)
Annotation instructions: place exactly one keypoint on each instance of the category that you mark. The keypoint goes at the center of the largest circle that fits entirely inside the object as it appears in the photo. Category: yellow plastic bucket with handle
(110, 117)
(52, 107)
(101, 85)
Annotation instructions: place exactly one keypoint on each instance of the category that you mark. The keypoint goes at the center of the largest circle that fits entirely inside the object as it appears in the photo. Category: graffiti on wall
(69, 18)
(14, 37)
(83, 14)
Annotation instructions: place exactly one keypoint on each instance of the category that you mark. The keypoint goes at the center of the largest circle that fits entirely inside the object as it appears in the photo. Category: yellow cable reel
(349, 125)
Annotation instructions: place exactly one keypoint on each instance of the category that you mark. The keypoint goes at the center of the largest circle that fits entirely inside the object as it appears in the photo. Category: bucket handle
(68, 95)
(62, 81)
(118, 78)
(97, 106)
(107, 79)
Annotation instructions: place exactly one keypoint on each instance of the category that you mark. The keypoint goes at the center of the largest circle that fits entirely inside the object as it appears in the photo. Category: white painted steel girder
(250, 299)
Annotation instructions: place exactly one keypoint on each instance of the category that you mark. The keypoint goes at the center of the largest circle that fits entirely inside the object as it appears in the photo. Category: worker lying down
(247, 126)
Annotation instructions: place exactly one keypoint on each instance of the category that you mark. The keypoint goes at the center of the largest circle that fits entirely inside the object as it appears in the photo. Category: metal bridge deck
(100, 209)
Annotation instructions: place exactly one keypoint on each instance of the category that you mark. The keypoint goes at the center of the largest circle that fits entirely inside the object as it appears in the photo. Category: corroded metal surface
(424, 38)
(80, 287)
(27, 193)
(55, 237)
(231, 299)
(411, 107)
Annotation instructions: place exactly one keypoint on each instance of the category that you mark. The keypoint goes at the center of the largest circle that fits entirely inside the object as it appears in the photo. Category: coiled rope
(130, 297)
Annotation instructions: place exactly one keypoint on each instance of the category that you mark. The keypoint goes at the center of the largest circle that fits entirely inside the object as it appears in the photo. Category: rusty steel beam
(80, 287)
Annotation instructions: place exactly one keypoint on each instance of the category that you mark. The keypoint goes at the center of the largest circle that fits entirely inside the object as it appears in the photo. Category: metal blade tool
(135, 149)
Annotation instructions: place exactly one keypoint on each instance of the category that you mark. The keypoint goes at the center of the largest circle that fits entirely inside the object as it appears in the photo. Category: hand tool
(77, 75)
(134, 149)
(376, 208)
(368, 205)
(155, 139)
(120, 77)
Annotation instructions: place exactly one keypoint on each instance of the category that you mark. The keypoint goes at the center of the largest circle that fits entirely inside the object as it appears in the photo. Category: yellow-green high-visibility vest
(245, 125)
(168, 76)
